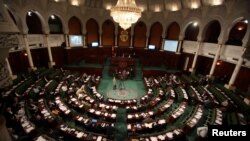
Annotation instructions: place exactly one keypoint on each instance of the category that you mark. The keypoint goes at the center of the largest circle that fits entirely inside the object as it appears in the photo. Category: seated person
(202, 131)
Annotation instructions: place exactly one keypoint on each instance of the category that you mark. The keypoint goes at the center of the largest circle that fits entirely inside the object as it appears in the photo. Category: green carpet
(121, 125)
(134, 88)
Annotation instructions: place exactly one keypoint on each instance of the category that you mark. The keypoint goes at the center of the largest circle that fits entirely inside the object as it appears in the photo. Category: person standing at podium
(114, 83)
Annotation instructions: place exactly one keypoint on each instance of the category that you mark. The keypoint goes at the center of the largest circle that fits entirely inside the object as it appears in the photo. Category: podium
(122, 67)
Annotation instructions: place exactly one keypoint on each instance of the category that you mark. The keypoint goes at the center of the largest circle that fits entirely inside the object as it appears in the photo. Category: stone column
(216, 57)
(131, 41)
(146, 45)
(28, 52)
(100, 40)
(235, 72)
(162, 44)
(67, 41)
(84, 40)
(3, 130)
(51, 62)
(116, 40)
(179, 46)
(9, 69)
(195, 57)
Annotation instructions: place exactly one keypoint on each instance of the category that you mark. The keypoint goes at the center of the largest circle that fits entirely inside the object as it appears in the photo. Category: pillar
(235, 72)
(32, 67)
(116, 40)
(162, 44)
(51, 62)
(67, 41)
(84, 40)
(100, 40)
(179, 46)
(146, 45)
(131, 41)
(195, 57)
(3, 130)
(9, 69)
(216, 57)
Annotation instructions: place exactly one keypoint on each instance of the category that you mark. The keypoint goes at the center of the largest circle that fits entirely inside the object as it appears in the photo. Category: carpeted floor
(121, 125)
(134, 88)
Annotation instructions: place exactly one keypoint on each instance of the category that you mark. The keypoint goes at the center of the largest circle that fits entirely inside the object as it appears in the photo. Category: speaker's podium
(122, 67)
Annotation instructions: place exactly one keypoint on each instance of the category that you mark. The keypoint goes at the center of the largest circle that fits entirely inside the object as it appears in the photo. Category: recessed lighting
(194, 5)
(195, 23)
(29, 13)
(75, 3)
(240, 28)
(53, 17)
(108, 6)
(174, 8)
(245, 21)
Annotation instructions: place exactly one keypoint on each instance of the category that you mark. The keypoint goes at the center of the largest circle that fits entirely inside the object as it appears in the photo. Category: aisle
(121, 125)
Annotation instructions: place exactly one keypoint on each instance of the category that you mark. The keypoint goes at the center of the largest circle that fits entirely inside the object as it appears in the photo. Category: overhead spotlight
(245, 21)
(108, 6)
(52, 17)
(240, 28)
(195, 23)
(29, 13)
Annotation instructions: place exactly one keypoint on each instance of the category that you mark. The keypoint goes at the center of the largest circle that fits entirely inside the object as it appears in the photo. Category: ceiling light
(125, 13)
(245, 21)
(194, 5)
(52, 17)
(75, 2)
(240, 28)
(108, 6)
(215, 2)
(195, 23)
(174, 8)
(29, 13)
(157, 8)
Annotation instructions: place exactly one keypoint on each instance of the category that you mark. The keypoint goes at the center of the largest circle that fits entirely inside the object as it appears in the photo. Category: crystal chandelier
(125, 13)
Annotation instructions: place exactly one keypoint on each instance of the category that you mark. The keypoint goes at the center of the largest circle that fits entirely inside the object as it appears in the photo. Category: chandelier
(125, 13)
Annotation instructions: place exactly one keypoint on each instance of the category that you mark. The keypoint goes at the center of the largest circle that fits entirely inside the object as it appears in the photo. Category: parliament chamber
(68, 71)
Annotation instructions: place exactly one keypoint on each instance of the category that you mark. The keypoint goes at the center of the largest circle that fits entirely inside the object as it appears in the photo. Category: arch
(211, 31)
(191, 32)
(108, 33)
(140, 31)
(155, 34)
(55, 24)
(39, 12)
(173, 31)
(33, 22)
(62, 19)
(237, 33)
(14, 17)
(92, 31)
(74, 26)
(187, 23)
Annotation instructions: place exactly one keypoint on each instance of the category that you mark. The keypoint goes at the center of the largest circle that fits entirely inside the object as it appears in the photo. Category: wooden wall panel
(18, 62)
(139, 39)
(155, 37)
(108, 34)
(243, 79)
(40, 57)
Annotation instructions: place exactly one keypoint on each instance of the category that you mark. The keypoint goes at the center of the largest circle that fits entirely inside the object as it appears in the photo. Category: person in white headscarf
(202, 131)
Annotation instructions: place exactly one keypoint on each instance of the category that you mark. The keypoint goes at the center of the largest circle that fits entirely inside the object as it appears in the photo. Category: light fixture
(195, 23)
(245, 21)
(125, 13)
(29, 13)
(52, 17)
